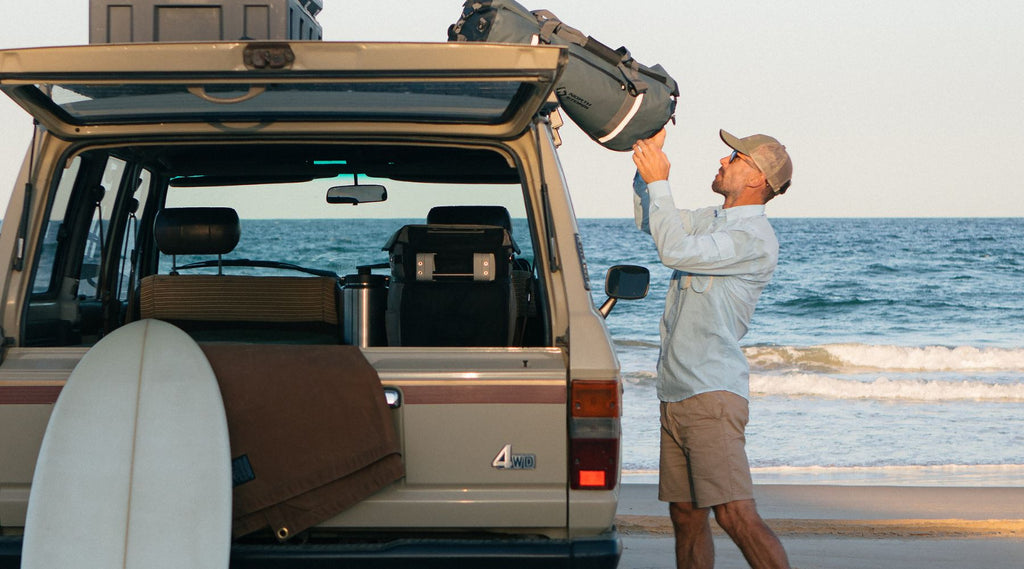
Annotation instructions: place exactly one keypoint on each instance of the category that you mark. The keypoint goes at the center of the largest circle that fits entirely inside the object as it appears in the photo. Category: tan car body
(459, 405)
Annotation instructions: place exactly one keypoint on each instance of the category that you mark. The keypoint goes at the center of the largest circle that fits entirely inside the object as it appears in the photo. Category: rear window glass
(483, 102)
(294, 224)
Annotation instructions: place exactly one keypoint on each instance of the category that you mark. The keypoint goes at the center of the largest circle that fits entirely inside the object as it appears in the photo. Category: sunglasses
(736, 154)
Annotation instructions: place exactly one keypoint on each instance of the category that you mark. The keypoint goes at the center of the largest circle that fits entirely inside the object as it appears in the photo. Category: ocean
(884, 351)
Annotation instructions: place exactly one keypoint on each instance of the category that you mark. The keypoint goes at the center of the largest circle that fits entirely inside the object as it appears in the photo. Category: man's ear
(756, 179)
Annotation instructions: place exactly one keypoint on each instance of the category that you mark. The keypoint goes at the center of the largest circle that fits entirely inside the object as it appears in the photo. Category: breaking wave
(626, 343)
(850, 358)
(640, 378)
(813, 385)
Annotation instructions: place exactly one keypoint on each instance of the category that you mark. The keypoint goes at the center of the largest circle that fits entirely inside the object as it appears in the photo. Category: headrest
(197, 230)
(472, 215)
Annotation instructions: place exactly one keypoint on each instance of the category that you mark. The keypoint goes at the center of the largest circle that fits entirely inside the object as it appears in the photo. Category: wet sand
(844, 527)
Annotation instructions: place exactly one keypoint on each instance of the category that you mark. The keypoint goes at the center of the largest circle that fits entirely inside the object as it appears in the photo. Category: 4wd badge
(508, 461)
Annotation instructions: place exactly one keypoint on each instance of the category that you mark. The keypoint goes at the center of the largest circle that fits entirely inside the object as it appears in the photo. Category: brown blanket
(311, 434)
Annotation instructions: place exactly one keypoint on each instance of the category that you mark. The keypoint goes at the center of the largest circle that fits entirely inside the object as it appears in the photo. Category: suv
(405, 199)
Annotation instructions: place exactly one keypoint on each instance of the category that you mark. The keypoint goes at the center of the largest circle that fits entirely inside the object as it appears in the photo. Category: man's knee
(733, 515)
(687, 515)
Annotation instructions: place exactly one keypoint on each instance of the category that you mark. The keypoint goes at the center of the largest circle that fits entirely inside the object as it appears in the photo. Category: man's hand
(650, 160)
(659, 138)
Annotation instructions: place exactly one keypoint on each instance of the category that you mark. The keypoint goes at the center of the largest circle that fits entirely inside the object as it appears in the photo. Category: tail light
(594, 434)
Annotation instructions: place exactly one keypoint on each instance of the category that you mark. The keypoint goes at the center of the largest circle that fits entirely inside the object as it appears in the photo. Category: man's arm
(641, 204)
(717, 253)
(650, 167)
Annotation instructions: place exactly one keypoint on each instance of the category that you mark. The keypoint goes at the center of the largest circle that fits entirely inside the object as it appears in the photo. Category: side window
(99, 227)
(83, 272)
(128, 253)
(44, 273)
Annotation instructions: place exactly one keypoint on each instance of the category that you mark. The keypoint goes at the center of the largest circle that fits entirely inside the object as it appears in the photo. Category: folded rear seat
(281, 309)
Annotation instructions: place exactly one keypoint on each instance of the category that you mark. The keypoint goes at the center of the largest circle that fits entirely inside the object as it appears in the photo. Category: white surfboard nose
(134, 469)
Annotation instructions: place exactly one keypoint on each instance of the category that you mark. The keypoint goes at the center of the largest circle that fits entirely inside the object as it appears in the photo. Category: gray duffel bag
(611, 96)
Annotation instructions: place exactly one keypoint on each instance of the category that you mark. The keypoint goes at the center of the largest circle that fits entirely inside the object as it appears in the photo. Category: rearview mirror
(626, 282)
(357, 194)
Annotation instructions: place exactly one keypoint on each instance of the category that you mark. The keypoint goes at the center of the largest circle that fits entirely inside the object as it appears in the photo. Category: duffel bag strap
(469, 9)
(631, 73)
(548, 29)
(551, 26)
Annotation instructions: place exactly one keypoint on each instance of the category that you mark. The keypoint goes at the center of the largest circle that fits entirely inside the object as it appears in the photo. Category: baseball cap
(769, 155)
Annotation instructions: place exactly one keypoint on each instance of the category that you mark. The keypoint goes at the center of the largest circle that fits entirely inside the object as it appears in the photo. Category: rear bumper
(600, 552)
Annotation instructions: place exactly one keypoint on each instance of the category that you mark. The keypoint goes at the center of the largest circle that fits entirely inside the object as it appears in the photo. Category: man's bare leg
(759, 544)
(695, 548)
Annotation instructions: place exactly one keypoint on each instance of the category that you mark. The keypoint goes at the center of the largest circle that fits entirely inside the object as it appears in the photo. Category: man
(722, 258)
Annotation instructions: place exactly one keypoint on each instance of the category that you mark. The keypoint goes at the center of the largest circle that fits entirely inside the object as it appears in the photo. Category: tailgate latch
(268, 56)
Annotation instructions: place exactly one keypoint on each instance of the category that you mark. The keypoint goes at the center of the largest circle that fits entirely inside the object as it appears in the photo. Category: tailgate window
(483, 102)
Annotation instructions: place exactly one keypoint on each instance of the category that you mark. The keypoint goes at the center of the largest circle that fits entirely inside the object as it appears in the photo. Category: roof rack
(131, 21)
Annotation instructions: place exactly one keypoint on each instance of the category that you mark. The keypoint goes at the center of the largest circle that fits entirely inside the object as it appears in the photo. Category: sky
(889, 108)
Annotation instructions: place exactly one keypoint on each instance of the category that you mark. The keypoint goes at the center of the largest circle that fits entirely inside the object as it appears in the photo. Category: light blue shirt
(721, 260)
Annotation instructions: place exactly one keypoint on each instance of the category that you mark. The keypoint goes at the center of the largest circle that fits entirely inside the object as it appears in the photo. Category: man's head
(764, 156)
(767, 155)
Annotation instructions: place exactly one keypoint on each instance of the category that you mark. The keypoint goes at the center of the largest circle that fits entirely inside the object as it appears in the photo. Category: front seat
(451, 284)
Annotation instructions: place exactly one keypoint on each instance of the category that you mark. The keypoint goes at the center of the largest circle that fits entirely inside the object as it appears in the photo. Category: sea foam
(814, 385)
(847, 358)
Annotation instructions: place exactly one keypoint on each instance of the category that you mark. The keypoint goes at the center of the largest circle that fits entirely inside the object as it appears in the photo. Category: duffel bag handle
(606, 53)
(550, 26)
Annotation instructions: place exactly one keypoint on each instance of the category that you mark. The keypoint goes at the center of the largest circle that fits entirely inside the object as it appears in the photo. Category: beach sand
(842, 527)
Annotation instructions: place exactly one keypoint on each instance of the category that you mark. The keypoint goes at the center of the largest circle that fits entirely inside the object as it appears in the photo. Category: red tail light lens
(592, 478)
(595, 464)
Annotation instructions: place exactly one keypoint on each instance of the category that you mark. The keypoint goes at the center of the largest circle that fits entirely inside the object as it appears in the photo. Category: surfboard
(134, 469)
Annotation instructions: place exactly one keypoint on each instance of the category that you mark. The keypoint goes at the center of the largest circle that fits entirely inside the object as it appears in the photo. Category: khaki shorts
(702, 450)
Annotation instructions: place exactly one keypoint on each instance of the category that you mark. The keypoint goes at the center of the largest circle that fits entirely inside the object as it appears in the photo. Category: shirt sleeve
(641, 204)
(721, 252)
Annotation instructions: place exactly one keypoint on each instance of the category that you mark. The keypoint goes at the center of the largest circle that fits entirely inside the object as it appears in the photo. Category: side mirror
(626, 282)
(357, 194)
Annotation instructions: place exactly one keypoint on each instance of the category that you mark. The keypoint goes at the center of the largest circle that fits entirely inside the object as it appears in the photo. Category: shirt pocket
(697, 283)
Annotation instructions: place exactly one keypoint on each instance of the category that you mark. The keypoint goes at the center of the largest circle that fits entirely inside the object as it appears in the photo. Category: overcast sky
(889, 108)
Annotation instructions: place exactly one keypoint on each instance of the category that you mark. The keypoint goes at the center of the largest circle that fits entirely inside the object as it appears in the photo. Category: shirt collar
(740, 212)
